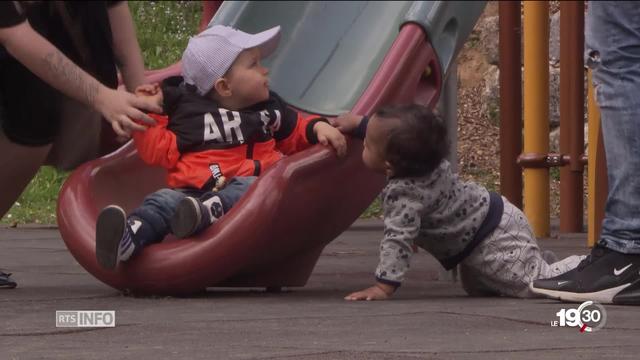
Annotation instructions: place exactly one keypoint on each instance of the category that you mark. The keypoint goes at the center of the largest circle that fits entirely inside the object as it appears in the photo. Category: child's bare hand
(151, 93)
(379, 291)
(346, 122)
(327, 134)
(147, 89)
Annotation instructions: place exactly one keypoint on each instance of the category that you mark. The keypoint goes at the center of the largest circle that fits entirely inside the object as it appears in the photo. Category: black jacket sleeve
(361, 130)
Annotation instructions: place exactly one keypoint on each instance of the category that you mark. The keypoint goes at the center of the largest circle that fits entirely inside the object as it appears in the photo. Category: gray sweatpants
(509, 259)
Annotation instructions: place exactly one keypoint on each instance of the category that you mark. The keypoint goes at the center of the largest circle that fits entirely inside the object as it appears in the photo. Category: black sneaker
(605, 276)
(192, 215)
(114, 233)
(6, 282)
(629, 296)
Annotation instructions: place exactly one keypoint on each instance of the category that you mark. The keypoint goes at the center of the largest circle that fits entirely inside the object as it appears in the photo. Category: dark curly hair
(418, 143)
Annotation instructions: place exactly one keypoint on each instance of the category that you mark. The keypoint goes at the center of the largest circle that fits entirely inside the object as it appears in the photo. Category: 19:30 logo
(590, 316)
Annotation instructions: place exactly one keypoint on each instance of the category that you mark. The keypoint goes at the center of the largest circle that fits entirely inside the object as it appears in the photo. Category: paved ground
(428, 319)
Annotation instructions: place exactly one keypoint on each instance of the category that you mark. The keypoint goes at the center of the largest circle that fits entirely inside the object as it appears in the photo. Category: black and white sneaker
(114, 236)
(605, 276)
(629, 296)
(192, 215)
(6, 282)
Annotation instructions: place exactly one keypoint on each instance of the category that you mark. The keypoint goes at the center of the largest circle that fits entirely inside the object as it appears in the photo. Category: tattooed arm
(53, 67)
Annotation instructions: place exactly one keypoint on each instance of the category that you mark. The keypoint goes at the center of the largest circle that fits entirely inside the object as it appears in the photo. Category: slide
(333, 57)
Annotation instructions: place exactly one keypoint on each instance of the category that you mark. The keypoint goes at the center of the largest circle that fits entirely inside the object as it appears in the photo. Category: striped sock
(127, 245)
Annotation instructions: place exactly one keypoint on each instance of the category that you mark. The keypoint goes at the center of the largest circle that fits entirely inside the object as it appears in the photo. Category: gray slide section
(329, 51)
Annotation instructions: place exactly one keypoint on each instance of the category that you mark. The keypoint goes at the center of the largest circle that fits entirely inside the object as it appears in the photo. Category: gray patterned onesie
(461, 223)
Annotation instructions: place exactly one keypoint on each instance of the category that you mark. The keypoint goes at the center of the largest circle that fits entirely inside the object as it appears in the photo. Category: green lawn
(163, 29)
(38, 202)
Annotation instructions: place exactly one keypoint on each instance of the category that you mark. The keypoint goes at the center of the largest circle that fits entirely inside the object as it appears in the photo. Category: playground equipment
(536, 159)
(333, 57)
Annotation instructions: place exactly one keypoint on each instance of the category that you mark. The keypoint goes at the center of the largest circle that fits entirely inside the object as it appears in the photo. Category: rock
(490, 104)
(491, 94)
(554, 97)
(554, 39)
(487, 39)
(554, 139)
(486, 34)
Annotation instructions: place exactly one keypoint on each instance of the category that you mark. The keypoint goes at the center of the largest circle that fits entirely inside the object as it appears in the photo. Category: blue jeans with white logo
(158, 208)
(613, 53)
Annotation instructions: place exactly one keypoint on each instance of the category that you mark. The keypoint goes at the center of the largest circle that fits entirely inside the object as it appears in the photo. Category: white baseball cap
(210, 54)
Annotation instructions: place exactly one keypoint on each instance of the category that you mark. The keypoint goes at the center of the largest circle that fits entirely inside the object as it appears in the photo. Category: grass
(482, 177)
(374, 210)
(163, 29)
(493, 110)
(37, 204)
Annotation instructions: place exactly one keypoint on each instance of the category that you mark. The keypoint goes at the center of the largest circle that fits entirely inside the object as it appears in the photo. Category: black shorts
(29, 108)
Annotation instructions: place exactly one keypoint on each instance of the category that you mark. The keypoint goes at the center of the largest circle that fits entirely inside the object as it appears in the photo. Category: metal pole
(449, 109)
(597, 170)
(510, 100)
(536, 112)
(571, 114)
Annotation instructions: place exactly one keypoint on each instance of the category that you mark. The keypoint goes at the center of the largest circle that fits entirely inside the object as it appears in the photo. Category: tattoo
(71, 74)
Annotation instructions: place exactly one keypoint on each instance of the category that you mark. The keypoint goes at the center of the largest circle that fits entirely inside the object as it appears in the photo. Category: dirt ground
(478, 134)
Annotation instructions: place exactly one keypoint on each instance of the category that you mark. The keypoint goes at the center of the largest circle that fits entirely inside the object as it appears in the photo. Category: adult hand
(121, 108)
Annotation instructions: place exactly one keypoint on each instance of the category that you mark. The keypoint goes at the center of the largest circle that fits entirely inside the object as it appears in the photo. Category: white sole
(603, 296)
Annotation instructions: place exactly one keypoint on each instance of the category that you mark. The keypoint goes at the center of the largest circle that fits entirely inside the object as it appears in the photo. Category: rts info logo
(590, 316)
(85, 318)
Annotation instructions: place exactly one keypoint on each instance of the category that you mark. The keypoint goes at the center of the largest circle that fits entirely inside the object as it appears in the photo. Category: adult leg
(20, 163)
(615, 60)
(611, 272)
(27, 126)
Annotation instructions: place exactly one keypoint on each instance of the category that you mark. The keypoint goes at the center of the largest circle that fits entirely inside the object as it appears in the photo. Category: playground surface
(427, 319)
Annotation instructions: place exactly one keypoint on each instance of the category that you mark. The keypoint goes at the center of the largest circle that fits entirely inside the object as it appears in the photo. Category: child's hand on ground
(379, 291)
(151, 93)
(327, 134)
(346, 122)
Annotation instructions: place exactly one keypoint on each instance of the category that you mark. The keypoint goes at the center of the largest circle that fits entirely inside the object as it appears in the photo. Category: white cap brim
(267, 40)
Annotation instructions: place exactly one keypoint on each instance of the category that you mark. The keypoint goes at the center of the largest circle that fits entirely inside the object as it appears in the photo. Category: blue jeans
(613, 53)
(158, 208)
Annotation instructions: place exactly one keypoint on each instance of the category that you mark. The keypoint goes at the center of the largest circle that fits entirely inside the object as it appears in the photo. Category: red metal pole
(510, 100)
(571, 114)
(209, 8)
